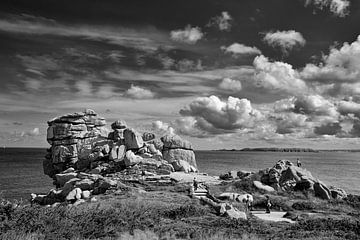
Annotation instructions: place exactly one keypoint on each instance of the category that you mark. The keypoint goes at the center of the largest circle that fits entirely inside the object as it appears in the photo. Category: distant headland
(274, 149)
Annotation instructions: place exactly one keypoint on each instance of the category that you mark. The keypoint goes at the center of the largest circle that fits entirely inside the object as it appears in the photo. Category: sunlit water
(21, 171)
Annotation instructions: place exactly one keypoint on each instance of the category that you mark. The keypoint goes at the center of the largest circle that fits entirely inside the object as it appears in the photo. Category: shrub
(304, 205)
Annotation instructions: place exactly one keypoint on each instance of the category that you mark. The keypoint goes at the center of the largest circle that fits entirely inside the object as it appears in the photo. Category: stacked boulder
(75, 140)
(82, 142)
(86, 159)
(179, 153)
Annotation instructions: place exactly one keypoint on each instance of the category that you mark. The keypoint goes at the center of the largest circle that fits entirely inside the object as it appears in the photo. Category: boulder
(148, 136)
(337, 193)
(68, 187)
(231, 212)
(86, 194)
(90, 112)
(182, 166)
(152, 149)
(118, 124)
(85, 184)
(131, 159)
(121, 153)
(259, 185)
(322, 191)
(62, 178)
(74, 194)
(188, 156)
(132, 139)
(243, 174)
(175, 141)
(104, 184)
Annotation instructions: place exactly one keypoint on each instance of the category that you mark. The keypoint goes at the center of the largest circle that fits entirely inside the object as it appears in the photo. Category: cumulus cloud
(340, 68)
(188, 35)
(237, 49)
(277, 76)
(339, 8)
(285, 40)
(215, 116)
(139, 93)
(349, 107)
(222, 22)
(291, 123)
(314, 105)
(31, 133)
(230, 85)
(162, 128)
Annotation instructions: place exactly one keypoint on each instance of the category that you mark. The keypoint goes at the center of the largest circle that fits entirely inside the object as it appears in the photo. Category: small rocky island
(124, 184)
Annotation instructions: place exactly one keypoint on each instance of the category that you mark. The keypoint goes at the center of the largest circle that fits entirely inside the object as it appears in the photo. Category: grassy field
(168, 213)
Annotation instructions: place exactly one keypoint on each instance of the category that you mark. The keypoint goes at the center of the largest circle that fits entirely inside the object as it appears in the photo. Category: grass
(162, 214)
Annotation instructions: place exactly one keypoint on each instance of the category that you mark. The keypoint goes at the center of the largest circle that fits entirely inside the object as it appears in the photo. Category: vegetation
(173, 215)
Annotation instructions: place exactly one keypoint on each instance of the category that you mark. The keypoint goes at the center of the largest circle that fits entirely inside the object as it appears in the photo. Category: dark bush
(305, 205)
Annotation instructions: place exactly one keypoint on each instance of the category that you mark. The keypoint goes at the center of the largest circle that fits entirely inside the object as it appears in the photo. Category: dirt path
(273, 216)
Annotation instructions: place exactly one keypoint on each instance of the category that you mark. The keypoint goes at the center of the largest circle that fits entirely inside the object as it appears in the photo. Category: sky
(220, 73)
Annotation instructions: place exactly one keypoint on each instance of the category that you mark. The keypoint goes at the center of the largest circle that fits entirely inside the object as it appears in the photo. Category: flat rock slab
(273, 216)
(189, 177)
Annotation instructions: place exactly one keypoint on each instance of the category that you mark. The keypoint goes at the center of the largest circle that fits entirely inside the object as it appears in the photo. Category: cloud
(188, 35)
(339, 8)
(277, 76)
(237, 49)
(147, 39)
(314, 105)
(340, 66)
(11, 137)
(186, 65)
(215, 116)
(162, 128)
(230, 85)
(139, 93)
(328, 129)
(285, 40)
(291, 123)
(223, 22)
(349, 107)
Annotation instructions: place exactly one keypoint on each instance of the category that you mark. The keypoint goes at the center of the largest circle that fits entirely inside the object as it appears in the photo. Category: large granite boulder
(183, 166)
(133, 140)
(337, 193)
(175, 149)
(72, 138)
(322, 191)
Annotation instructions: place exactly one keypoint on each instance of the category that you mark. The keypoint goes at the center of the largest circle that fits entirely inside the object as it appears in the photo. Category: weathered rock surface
(322, 191)
(133, 140)
(172, 155)
(259, 185)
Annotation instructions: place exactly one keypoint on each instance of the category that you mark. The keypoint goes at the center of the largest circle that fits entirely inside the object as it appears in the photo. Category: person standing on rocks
(268, 204)
(298, 163)
(195, 184)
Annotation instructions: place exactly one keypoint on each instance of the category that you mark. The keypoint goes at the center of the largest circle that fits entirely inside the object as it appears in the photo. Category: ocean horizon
(21, 171)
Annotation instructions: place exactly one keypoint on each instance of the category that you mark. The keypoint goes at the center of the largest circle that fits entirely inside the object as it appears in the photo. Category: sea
(21, 171)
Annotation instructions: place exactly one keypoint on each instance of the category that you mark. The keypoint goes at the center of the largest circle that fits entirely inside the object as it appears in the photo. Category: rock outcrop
(81, 144)
(285, 176)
